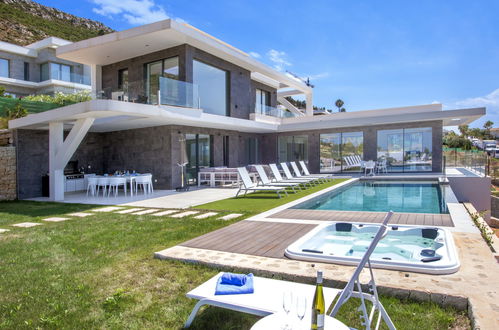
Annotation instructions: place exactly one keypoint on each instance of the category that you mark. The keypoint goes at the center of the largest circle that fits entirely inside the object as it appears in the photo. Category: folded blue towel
(234, 284)
(234, 279)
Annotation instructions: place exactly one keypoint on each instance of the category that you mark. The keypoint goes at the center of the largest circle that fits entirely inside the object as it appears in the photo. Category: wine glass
(287, 302)
(301, 307)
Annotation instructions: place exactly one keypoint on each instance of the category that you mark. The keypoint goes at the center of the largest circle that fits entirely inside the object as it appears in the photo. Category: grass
(263, 201)
(98, 272)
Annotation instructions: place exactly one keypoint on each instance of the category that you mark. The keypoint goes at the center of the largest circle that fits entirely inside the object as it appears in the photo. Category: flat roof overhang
(118, 46)
(383, 117)
(117, 115)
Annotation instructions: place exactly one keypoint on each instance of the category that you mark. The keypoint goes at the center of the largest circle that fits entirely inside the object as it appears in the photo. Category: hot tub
(418, 249)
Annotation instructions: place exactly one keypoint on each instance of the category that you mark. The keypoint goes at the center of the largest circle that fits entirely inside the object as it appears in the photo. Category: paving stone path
(3, 230)
(55, 219)
(230, 216)
(129, 210)
(145, 211)
(27, 224)
(184, 214)
(108, 209)
(167, 212)
(205, 215)
(80, 214)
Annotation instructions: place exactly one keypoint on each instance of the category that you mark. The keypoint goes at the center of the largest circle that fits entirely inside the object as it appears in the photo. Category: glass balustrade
(168, 92)
(273, 112)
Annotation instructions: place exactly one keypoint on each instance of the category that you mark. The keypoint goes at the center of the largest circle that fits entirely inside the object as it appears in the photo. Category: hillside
(23, 22)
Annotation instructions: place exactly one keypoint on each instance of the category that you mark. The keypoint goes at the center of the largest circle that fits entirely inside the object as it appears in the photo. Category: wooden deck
(267, 239)
(422, 219)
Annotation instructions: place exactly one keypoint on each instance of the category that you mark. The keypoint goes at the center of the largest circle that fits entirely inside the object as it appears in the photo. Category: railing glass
(164, 91)
(273, 112)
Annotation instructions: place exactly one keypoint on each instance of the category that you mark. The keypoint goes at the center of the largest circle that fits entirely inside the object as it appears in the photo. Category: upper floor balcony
(164, 91)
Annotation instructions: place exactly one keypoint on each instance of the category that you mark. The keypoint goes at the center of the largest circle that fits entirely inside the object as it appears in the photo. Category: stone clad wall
(8, 184)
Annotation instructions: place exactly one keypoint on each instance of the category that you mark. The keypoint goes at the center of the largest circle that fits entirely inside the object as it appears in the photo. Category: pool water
(426, 250)
(382, 196)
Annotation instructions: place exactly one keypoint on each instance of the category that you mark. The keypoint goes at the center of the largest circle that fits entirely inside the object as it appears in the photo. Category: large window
(123, 79)
(165, 68)
(213, 88)
(4, 68)
(293, 148)
(341, 152)
(55, 71)
(406, 150)
(262, 101)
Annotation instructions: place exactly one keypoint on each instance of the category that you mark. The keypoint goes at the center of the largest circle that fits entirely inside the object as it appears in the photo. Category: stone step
(230, 216)
(27, 224)
(130, 210)
(167, 212)
(145, 212)
(205, 215)
(184, 214)
(108, 209)
(80, 214)
(55, 219)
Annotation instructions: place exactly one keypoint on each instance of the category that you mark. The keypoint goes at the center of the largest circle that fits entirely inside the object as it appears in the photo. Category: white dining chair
(145, 181)
(115, 183)
(102, 183)
(369, 169)
(92, 185)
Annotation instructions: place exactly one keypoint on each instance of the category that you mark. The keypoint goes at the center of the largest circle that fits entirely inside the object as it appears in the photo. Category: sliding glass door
(341, 152)
(292, 148)
(406, 150)
(199, 154)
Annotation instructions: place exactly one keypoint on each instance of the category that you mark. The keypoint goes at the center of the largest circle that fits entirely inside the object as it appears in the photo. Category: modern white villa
(35, 69)
(165, 82)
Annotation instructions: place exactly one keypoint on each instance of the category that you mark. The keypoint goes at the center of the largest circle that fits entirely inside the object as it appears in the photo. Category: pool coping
(458, 213)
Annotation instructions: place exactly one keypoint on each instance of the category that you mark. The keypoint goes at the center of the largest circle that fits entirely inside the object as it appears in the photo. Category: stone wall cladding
(8, 166)
(241, 87)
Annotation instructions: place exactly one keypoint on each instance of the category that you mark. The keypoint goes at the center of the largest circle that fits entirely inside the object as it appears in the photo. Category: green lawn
(99, 272)
(263, 201)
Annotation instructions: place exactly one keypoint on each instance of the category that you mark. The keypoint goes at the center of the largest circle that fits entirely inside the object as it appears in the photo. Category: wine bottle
(318, 305)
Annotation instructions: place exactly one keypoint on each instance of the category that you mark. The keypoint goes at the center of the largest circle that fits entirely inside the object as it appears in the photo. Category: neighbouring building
(160, 83)
(35, 69)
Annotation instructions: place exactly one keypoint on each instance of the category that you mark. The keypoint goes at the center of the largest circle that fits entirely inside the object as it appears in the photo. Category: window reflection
(212, 84)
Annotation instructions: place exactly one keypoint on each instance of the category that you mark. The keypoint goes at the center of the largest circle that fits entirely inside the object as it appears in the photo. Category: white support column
(309, 104)
(96, 79)
(56, 174)
(61, 151)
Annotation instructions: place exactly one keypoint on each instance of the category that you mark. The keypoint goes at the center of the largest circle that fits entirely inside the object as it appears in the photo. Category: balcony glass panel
(273, 112)
(178, 93)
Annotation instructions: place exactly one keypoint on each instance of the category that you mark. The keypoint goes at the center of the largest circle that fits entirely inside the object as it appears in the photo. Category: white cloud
(279, 58)
(136, 12)
(489, 100)
(255, 54)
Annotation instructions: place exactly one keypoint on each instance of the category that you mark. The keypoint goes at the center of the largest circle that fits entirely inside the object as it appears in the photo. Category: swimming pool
(382, 196)
(406, 248)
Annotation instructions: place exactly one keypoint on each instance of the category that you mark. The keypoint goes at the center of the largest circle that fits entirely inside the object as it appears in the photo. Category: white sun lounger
(266, 181)
(300, 175)
(278, 177)
(288, 175)
(248, 185)
(266, 300)
(307, 172)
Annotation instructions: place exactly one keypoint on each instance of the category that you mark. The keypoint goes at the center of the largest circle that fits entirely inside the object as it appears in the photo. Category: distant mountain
(24, 21)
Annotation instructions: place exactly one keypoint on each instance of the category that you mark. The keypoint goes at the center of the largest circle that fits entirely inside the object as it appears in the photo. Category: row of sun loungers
(300, 180)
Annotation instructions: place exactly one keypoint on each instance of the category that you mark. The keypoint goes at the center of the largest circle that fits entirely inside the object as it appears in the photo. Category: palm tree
(464, 129)
(488, 125)
(339, 104)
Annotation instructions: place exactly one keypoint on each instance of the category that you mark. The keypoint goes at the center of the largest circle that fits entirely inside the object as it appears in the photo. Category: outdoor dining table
(129, 179)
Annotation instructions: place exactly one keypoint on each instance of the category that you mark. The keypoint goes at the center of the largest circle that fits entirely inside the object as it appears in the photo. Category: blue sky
(372, 54)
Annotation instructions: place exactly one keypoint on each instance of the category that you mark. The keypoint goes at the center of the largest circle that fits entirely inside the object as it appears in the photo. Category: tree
(339, 104)
(488, 125)
(464, 129)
